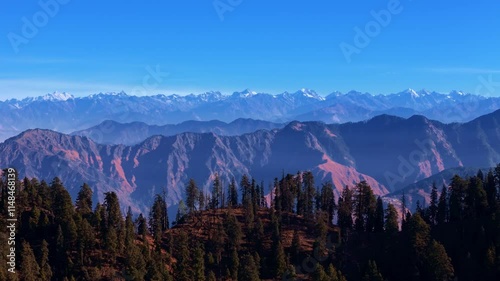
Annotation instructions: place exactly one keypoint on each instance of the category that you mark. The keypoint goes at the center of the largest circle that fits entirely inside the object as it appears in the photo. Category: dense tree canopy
(304, 234)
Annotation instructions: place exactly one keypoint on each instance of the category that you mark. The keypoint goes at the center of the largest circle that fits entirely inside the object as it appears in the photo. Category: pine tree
(391, 220)
(234, 264)
(114, 236)
(419, 235)
(216, 192)
(433, 208)
(198, 263)
(279, 258)
(211, 276)
(45, 270)
(192, 194)
(319, 273)
(345, 209)
(442, 215)
(476, 201)
(295, 247)
(201, 200)
(86, 241)
(248, 269)
(379, 216)
(62, 204)
(142, 227)
(84, 201)
(181, 212)
(232, 194)
(365, 206)
(491, 191)
(327, 201)
(457, 198)
(334, 274)
(245, 188)
(372, 273)
(183, 270)
(129, 230)
(233, 230)
(438, 265)
(61, 255)
(309, 193)
(30, 270)
(158, 218)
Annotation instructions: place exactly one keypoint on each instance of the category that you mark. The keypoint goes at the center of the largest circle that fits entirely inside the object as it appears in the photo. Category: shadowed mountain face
(388, 152)
(111, 132)
(421, 190)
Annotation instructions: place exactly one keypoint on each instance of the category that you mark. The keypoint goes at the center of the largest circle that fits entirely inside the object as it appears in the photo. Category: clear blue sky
(268, 46)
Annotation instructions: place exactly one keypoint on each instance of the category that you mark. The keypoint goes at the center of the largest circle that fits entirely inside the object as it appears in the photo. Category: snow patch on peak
(59, 96)
(457, 93)
(245, 94)
(310, 94)
(411, 92)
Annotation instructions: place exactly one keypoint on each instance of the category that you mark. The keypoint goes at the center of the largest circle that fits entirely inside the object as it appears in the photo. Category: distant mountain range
(387, 151)
(64, 113)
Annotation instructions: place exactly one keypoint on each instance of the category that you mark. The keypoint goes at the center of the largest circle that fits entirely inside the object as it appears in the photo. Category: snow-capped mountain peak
(245, 94)
(411, 92)
(310, 94)
(58, 96)
(457, 93)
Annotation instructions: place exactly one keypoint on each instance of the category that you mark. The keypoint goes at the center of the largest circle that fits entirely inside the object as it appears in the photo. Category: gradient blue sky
(268, 46)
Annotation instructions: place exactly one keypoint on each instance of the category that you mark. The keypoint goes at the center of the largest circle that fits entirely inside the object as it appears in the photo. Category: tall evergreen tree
(158, 218)
(30, 270)
(216, 193)
(198, 263)
(345, 211)
(84, 200)
(309, 193)
(391, 220)
(183, 270)
(379, 216)
(372, 273)
(319, 273)
(248, 269)
(442, 215)
(457, 198)
(232, 194)
(491, 191)
(279, 259)
(438, 265)
(43, 260)
(245, 188)
(433, 208)
(327, 201)
(142, 227)
(365, 206)
(192, 194)
(234, 264)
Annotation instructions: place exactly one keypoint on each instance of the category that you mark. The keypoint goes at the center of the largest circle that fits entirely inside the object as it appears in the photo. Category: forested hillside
(299, 232)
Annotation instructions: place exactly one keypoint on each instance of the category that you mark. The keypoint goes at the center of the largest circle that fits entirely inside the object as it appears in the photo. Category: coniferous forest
(296, 230)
